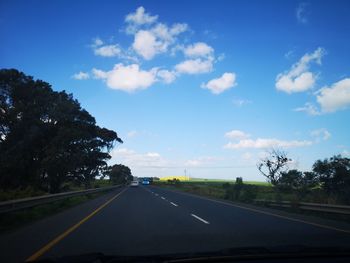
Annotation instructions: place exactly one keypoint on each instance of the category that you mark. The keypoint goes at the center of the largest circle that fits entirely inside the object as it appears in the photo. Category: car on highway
(134, 183)
(145, 182)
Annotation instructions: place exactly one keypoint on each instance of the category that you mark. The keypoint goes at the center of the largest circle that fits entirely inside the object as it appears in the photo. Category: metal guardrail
(336, 209)
(18, 204)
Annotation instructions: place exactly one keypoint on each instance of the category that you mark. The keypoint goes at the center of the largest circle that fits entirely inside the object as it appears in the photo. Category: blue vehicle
(145, 182)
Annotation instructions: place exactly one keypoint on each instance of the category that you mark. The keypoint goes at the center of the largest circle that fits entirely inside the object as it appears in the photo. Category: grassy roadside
(31, 192)
(248, 193)
(13, 220)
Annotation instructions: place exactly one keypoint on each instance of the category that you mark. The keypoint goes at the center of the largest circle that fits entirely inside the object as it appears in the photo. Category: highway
(148, 220)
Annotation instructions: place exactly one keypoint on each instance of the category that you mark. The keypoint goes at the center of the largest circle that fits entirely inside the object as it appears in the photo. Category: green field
(197, 180)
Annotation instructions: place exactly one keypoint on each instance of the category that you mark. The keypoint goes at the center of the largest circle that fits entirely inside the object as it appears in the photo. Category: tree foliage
(330, 177)
(334, 174)
(297, 181)
(46, 137)
(274, 165)
(119, 174)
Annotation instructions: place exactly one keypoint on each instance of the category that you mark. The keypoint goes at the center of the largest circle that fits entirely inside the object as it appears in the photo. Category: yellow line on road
(53, 242)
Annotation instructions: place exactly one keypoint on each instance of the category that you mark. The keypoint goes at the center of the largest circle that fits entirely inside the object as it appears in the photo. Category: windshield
(135, 128)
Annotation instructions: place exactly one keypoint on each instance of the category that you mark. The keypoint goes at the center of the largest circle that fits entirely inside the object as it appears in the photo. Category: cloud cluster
(135, 159)
(243, 141)
(299, 78)
(330, 99)
(151, 38)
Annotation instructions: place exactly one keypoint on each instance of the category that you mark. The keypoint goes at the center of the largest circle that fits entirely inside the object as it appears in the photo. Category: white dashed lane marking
(200, 219)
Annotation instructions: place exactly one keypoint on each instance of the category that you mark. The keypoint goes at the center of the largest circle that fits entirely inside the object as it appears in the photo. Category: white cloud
(132, 158)
(247, 156)
(178, 28)
(193, 163)
(301, 13)
(221, 57)
(107, 51)
(132, 134)
(345, 153)
(289, 54)
(240, 102)
(97, 42)
(299, 79)
(148, 43)
(201, 161)
(309, 108)
(195, 66)
(167, 34)
(266, 143)
(236, 134)
(140, 17)
(81, 75)
(151, 38)
(336, 97)
(320, 134)
(198, 49)
(219, 85)
(127, 78)
(99, 74)
(166, 76)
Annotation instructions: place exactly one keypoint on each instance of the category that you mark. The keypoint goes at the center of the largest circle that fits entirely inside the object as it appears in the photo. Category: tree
(120, 174)
(274, 165)
(334, 174)
(46, 137)
(294, 180)
(290, 180)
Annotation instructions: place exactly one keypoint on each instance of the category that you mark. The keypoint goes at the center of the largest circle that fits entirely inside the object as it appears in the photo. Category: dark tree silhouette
(46, 137)
(334, 174)
(120, 174)
(274, 165)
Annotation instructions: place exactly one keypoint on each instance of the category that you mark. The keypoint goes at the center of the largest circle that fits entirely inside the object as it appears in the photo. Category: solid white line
(162, 197)
(200, 219)
(173, 204)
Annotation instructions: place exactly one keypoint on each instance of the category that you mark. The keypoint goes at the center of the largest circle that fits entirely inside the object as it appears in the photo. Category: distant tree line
(47, 138)
(330, 176)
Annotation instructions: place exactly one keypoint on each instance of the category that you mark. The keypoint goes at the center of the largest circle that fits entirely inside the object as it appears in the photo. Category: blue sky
(206, 86)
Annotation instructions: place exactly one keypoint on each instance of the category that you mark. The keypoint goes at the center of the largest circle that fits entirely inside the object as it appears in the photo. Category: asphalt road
(150, 220)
